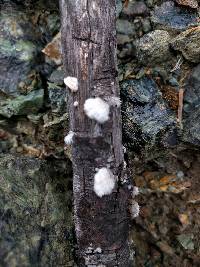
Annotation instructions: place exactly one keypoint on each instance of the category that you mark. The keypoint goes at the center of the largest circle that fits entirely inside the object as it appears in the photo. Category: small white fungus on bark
(72, 83)
(124, 149)
(104, 182)
(76, 104)
(134, 209)
(135, 191)
(98, 250)
(69, 138)
(97, 109)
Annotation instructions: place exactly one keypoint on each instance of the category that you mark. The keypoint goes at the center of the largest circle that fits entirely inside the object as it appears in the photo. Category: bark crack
(82, 39)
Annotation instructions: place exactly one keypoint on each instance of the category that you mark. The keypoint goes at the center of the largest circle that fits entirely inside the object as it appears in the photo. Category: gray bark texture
(89, 54)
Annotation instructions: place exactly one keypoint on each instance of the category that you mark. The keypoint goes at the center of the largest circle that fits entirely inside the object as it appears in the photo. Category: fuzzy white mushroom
(135, 191)
(98, 250)
(134, 209)
(104, 182)
(76, 104)
(69, 138)
(97, 109)
(72, 83)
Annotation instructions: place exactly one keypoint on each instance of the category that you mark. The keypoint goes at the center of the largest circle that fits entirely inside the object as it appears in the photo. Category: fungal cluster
(97, 109)
(104, 182)
(71, 83)
(134, 209)
(135, 191)
(69, 138)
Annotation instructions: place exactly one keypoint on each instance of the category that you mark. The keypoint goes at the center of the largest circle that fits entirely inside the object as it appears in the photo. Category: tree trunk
(89, 54)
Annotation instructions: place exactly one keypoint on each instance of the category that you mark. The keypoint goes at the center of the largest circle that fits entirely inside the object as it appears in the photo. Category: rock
(128, 51)
(53, 23)
(165, 248)
(22, 105)
(36, 224)
(188, 3)
(191, 128)
(57, 92)
(19, 51)
(146, 25)
(153, 47)
(186, 240)
(119, 7)
(123, 39)
(134, 9)
(191, 122)
(145, 115)
(173, 82)
(167, 16)
(57, 77)
(125, 27)
(57, 96)
(192, 91)
(25, 29)
(187, 43)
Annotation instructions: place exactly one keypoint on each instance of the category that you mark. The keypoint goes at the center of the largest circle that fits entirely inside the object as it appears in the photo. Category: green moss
(23, 105)
(36, 224)
(26, 50)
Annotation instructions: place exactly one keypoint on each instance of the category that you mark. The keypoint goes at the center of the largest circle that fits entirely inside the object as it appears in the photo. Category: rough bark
(89, 54)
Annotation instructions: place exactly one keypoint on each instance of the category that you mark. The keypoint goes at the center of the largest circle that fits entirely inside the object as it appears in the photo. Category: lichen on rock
(36, 223)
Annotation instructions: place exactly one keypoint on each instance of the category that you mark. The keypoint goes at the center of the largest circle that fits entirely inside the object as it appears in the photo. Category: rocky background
(159, 74)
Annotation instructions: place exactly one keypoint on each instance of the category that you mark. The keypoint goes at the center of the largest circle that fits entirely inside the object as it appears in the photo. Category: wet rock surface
(158, 56)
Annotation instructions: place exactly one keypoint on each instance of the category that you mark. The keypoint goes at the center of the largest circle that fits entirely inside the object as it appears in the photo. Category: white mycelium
(134, 209)
(104, 182)
(135, 191)
(69, 138)
(76, 104)
(98, 250)
(72, 83)
(97, 109)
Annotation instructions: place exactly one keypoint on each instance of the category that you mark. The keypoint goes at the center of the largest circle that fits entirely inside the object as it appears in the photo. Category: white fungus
(125, 165)
(129, 187)
(104, 182)
(135, 191)
(69, 138)
(98, 250)
(76, 104)
(97, 109)
(124, 149)
(72, 83)
(134, 209)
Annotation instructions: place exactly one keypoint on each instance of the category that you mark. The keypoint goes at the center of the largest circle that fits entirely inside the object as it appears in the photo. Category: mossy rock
(22, 105)
(36, 222)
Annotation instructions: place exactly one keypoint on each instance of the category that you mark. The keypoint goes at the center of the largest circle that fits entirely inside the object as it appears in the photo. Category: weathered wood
(89, 54)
